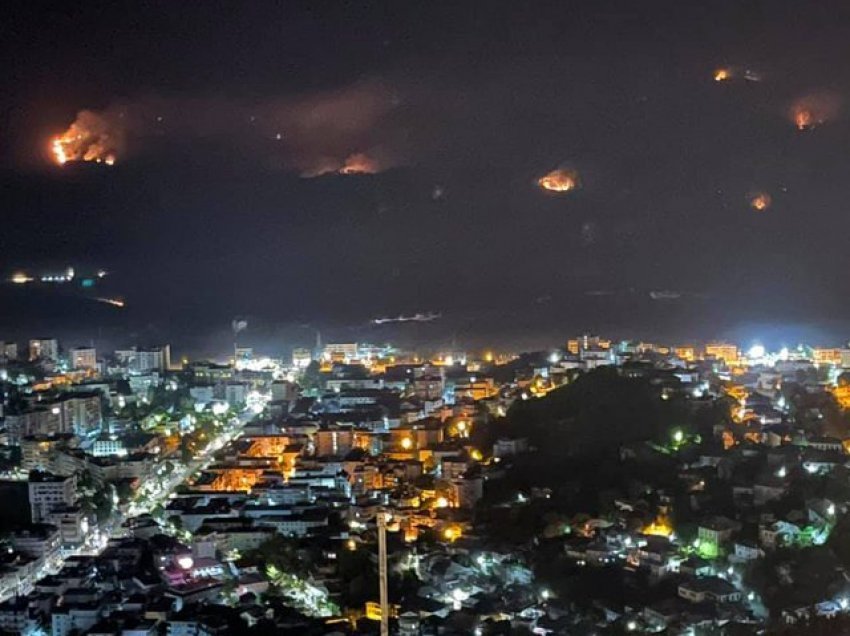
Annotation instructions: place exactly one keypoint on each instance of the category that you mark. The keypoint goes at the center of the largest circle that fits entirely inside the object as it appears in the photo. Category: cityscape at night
(425, 319)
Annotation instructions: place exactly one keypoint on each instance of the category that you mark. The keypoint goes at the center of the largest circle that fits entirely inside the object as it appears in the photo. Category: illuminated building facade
(722, 351)
(44, 349)
(83, 358)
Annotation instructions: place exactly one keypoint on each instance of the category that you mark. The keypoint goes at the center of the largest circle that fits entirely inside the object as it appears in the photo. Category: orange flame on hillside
(760, 201)
(815, 109)
(722, 74)
(359, 163)
(560, 180)
(89, 138)
(803, 119)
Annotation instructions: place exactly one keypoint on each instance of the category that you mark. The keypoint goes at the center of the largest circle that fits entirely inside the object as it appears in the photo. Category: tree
(601, 408)
(311, 379)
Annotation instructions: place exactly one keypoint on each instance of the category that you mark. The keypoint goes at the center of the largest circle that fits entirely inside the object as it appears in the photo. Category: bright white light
(186, 562)
(781, 472)
(756, 352)
(554, 357)
(459, 595)
(843, 602)
(219, 408)
(830, 510)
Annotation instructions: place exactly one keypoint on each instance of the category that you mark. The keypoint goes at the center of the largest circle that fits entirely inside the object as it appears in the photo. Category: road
(152, 495)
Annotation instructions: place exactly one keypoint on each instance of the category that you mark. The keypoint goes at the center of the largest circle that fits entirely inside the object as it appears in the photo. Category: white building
(144, 360)
(83, 358)
(8, 350)
(342, 351)
(44, 349)
(283, 390)
(48, 492)
(235, 393)
(72, 523)
(78, 413)
(39, 542)
(301, 358)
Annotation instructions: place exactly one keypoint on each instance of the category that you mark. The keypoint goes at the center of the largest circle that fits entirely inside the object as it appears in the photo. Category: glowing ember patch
(359, 163)
(722, 74)
(660, 527)
(803, 119)
(815, 109)
(559, 181)
(90, 138)
(760, 201)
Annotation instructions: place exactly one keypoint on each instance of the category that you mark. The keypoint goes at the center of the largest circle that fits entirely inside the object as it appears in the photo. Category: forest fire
(89, 138)
(815, 109)
(359, 163)
(760, 201)
(722, 74)
(803, 119)
(559, 180)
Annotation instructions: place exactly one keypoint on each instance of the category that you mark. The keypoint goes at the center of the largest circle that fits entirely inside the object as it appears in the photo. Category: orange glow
(90, 138)
(359, 163)
(842, 396)
(803, 119)
(814, 109)
(761, 201)
(452, 533)
(722, 74)
(660, 527)
(559, 180)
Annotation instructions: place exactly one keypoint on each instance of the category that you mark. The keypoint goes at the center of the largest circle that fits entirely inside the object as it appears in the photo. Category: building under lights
(44, 349)
(722, 351)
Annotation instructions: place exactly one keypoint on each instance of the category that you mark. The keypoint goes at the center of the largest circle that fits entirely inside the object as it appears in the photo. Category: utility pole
(383, 517)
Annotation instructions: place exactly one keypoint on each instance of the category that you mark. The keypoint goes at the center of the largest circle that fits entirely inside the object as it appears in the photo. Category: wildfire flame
(815, 109)
(89, 138)
(760, 201)
(722, 74)
(660, 527)
(803, 119)
(560, 180)
(359, 163)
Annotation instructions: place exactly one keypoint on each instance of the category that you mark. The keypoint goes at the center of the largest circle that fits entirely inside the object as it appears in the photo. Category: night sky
(222, 115)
